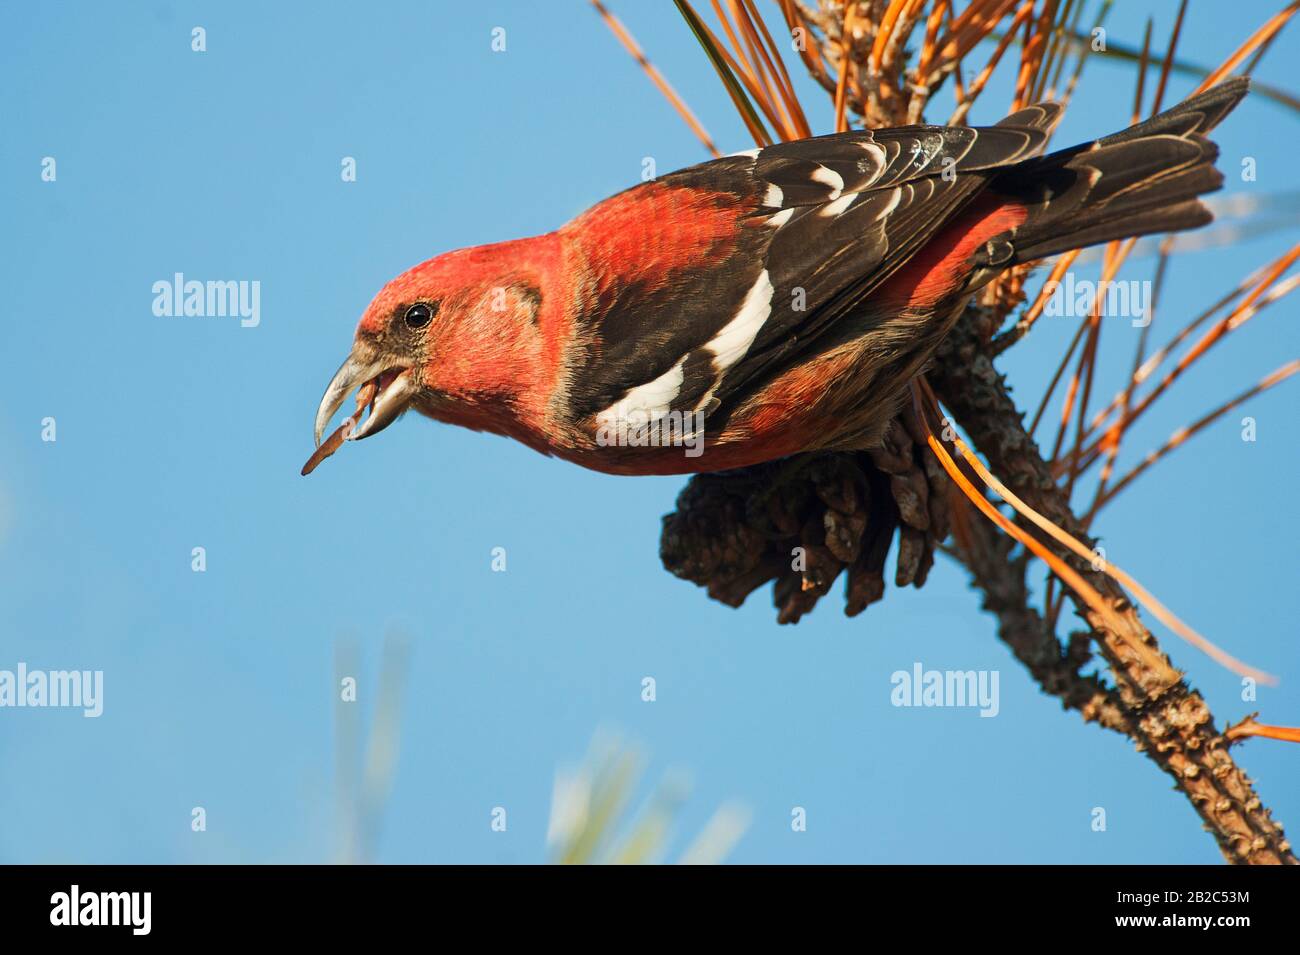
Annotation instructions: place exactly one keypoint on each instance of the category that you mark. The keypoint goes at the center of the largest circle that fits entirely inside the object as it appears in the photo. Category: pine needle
(1072, 579)
(719, 58)
(664, 87)
(1248, 727)
(1064, 571)
(1181, 436)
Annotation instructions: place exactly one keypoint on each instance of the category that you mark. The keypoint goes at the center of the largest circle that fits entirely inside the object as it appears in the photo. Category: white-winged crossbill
(760, 305)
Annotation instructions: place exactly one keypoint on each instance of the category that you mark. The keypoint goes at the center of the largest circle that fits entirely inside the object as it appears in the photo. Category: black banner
(333, 904)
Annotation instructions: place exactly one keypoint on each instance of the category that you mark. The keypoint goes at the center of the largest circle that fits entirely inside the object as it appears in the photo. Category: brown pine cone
(803, 521)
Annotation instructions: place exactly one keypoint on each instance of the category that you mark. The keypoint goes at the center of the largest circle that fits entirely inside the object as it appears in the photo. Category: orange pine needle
(1086, 591)
(1072, 544)
(977, 86)
(1112, 447)
(670, 94)
(1056, 377)
(1082, 378)
(742, 64)
(983, 20)
(741, 74)
(811, 57)
(1182, 435)
(1055, 51)
(763, 87)
(846, 44)
(776, 64)
(1084, 52)
(1022, 327)
(1261, 36)
(899, 11)
(928, 47)
(1148, 367)
(1031, 56)
(1233, 320)
(1116, 253)
(1248, 727)
(974, 23)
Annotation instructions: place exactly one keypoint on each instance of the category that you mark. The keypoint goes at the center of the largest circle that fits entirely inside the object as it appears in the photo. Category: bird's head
(446, 337)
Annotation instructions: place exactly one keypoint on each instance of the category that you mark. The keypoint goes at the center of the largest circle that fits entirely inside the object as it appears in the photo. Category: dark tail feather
(1140, 181)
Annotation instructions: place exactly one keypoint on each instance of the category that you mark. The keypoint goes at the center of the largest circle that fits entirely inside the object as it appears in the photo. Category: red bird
(763, 304)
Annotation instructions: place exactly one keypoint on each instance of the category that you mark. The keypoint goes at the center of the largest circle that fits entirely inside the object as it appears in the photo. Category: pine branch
(1168, 720)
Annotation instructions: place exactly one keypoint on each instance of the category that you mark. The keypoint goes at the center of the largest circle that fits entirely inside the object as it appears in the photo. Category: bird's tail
(1140, 181)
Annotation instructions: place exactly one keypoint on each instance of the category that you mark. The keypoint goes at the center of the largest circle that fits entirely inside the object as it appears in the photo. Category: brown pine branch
(1167, 719)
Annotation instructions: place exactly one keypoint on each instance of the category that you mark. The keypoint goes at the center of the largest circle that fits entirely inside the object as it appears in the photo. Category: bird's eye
(418, 315)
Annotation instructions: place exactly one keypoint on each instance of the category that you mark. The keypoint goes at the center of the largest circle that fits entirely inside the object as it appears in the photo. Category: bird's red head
(456, 337)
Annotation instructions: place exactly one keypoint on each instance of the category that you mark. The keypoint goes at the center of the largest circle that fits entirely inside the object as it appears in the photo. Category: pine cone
(802, 521)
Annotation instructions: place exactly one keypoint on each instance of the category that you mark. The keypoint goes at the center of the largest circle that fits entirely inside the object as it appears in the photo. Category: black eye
(418, 315)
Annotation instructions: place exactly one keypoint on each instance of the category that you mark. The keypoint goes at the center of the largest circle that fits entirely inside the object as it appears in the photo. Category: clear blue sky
(174, 433)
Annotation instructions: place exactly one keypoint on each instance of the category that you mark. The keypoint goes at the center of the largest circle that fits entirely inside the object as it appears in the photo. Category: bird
(760, 305)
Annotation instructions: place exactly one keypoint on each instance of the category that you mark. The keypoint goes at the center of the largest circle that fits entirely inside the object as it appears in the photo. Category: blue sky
(175, 433)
